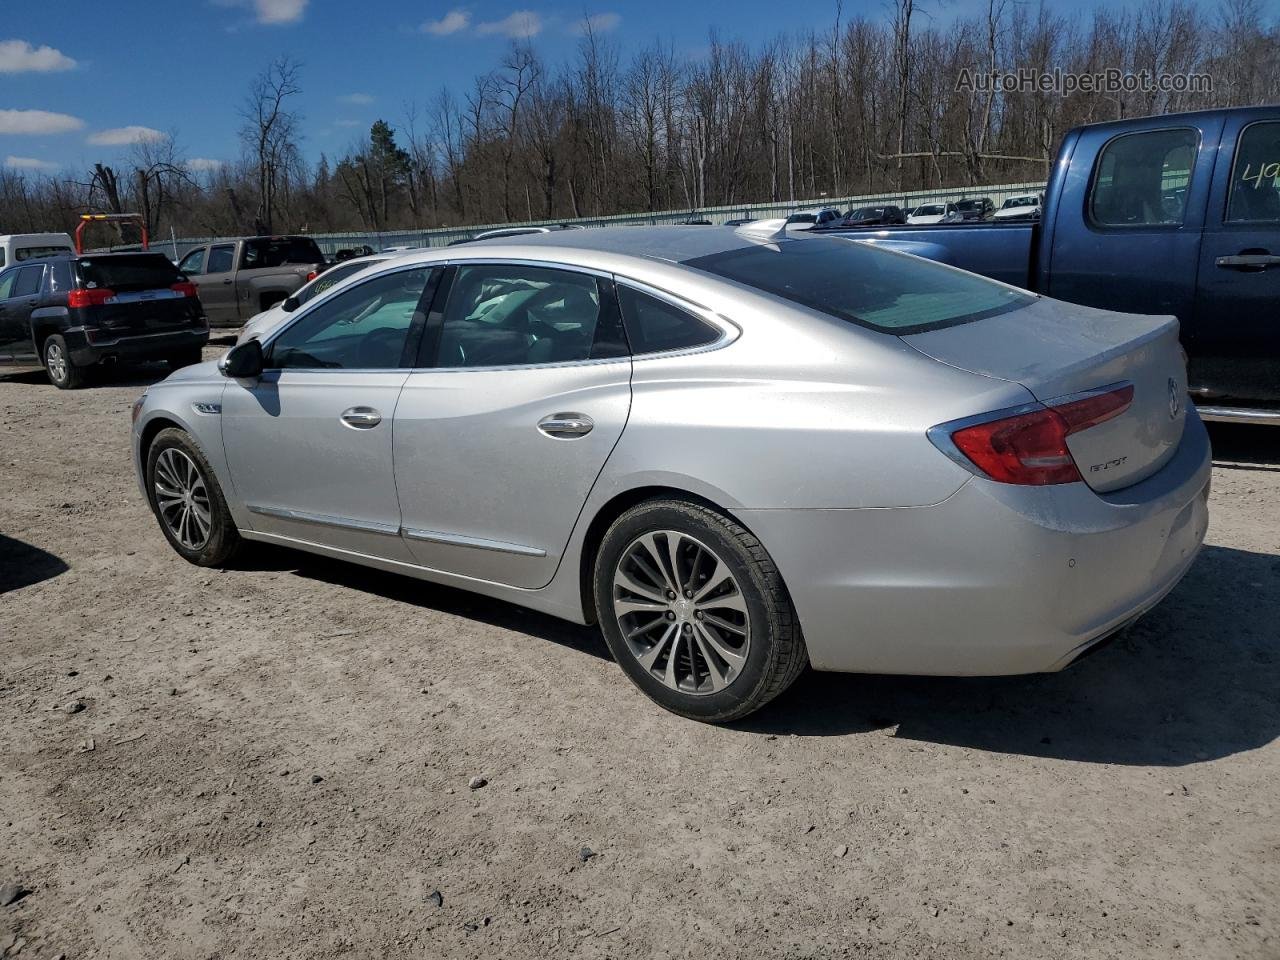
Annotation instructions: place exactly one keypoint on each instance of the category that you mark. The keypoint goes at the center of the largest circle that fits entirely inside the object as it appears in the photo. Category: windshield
(876, 288)
(967, 205)
(36, 253)
(931, 210)
(867, 213)
(127, 271)
(277, 251)
(802, 218)
(1021, 202)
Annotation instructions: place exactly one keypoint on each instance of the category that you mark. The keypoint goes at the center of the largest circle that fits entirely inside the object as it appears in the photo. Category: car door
(218, 286)
(309, 442)
(19, 296)
(1233, 335)
(500, 439)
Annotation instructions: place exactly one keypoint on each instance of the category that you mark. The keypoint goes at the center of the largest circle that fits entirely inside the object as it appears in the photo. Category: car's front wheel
(186, 499)
(694, 610)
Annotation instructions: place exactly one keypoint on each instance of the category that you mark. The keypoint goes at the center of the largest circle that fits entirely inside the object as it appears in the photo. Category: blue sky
(81, 80)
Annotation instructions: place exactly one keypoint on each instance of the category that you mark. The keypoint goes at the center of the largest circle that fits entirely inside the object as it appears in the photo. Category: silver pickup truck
(238, 279)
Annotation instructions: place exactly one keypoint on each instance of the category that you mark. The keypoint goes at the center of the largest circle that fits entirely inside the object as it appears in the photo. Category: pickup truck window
(886, 291)
(1141, 179)
(193, 263)
(221, 258)
(277, 251)
(1255, 178)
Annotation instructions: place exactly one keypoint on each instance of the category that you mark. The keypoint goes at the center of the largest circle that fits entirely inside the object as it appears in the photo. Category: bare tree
(270, 133)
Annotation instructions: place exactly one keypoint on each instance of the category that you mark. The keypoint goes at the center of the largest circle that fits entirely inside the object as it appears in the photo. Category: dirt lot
(274, 761)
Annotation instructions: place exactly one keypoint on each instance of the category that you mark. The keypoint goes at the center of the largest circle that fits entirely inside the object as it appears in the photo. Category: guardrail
(331, 243)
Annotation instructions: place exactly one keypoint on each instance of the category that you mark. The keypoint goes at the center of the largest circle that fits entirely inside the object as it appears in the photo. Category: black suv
(73, 312)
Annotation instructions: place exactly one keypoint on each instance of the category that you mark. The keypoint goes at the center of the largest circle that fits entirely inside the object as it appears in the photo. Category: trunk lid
(1059, 351)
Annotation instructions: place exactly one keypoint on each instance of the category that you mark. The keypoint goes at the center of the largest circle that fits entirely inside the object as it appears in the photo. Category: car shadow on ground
(1194, 680)
(22, 565)
(1245, 447)
(107, 375)
(420, 593)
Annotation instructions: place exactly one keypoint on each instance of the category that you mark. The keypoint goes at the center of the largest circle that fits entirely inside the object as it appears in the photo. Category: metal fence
(331, 243)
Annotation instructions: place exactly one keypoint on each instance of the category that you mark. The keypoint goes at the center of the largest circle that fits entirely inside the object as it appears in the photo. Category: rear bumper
(996, 579)
(139, 347)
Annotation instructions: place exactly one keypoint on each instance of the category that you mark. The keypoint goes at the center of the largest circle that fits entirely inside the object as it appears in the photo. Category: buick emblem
(1175, 399)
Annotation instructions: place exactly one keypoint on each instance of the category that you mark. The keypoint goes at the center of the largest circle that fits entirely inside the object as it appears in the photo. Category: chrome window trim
(729, 331)
(345, 523)
(477, 543)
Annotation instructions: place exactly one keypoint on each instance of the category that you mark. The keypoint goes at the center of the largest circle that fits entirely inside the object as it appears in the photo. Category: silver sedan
(737, 451)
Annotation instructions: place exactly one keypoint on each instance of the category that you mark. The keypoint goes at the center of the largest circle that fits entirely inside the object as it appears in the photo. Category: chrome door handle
(361, 418)
(566, 426)
(1248, 261)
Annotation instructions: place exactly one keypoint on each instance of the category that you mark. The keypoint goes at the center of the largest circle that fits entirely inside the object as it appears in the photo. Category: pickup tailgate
(1059, 351)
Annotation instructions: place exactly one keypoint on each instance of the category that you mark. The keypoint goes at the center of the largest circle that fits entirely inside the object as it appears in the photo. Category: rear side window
(28, 282)
(1255, 177)
(124, 272)
(654, 325)
(1141, 179)
(857, 282)
(278, 251)
(60, 276)
(39, 253)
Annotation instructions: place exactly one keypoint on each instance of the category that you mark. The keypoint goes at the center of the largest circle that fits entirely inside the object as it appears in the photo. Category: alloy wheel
(681, 612)
(182, 498)
(55, 361)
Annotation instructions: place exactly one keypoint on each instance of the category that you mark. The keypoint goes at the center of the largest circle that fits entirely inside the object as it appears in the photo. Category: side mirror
(242, 362)
(289, 304)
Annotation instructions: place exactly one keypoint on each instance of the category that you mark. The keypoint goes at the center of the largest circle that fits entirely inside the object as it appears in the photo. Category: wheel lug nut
(697, 614)
(688, 594)
(671, 594)
(671, 615)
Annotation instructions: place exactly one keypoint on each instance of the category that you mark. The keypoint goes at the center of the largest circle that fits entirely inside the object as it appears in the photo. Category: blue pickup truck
(1177, 215)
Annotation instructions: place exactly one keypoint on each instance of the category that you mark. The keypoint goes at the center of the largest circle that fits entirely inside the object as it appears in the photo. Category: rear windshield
(277, 251)
(929, 211)
(128, 271)
(875, 288)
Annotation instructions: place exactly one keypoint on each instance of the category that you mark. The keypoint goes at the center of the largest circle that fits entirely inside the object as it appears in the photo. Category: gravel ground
(278, 761)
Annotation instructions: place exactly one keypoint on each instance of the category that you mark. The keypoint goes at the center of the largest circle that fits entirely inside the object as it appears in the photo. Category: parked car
(739, 221)
(351, 253)
(877, 216)
(238, 279)
(932, 213)
(1020, 208)
(268, 319)
(71, 312)
(809, 219)
(975, 208)
(17, 247)
(1175, 215)
(737, 454)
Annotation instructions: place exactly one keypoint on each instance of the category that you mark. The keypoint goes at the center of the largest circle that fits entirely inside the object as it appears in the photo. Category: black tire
(222, 541)
(63, 374)
(187, 358)
(775, 655)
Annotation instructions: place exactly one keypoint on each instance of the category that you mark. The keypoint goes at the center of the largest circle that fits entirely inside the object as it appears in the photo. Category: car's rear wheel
(695, 612)
(187, 501)
(63, 373)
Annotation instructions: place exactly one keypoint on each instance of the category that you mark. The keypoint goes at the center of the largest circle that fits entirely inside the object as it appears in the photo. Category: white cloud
(451, 22)
(517, 25)
(279, 11)
(204, 164)
(121, 136)
(18, 56)
(359, 99)
(597, 23)
(28, 163)
(37, 122)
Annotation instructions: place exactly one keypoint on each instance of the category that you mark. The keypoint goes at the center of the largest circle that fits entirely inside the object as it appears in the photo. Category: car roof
(674, 244)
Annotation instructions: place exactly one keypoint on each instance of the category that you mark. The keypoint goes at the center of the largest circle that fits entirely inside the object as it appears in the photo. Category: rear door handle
(1248, 261)
(361, 418)
(566, 426)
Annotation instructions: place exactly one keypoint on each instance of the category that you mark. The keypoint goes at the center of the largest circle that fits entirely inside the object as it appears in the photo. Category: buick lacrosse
(737, 451)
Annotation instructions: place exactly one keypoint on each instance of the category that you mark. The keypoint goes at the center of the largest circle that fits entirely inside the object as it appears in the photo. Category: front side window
(1141, 179)
(363, 328)
(654, 325)
(1255, 176)
(502, 315)
(221, 258)
(876, 288)
(193, 263)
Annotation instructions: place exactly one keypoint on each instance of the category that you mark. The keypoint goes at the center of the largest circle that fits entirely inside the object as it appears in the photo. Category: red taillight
(312, 275)
(1031, 448)
(185, 287)
(93, 297)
